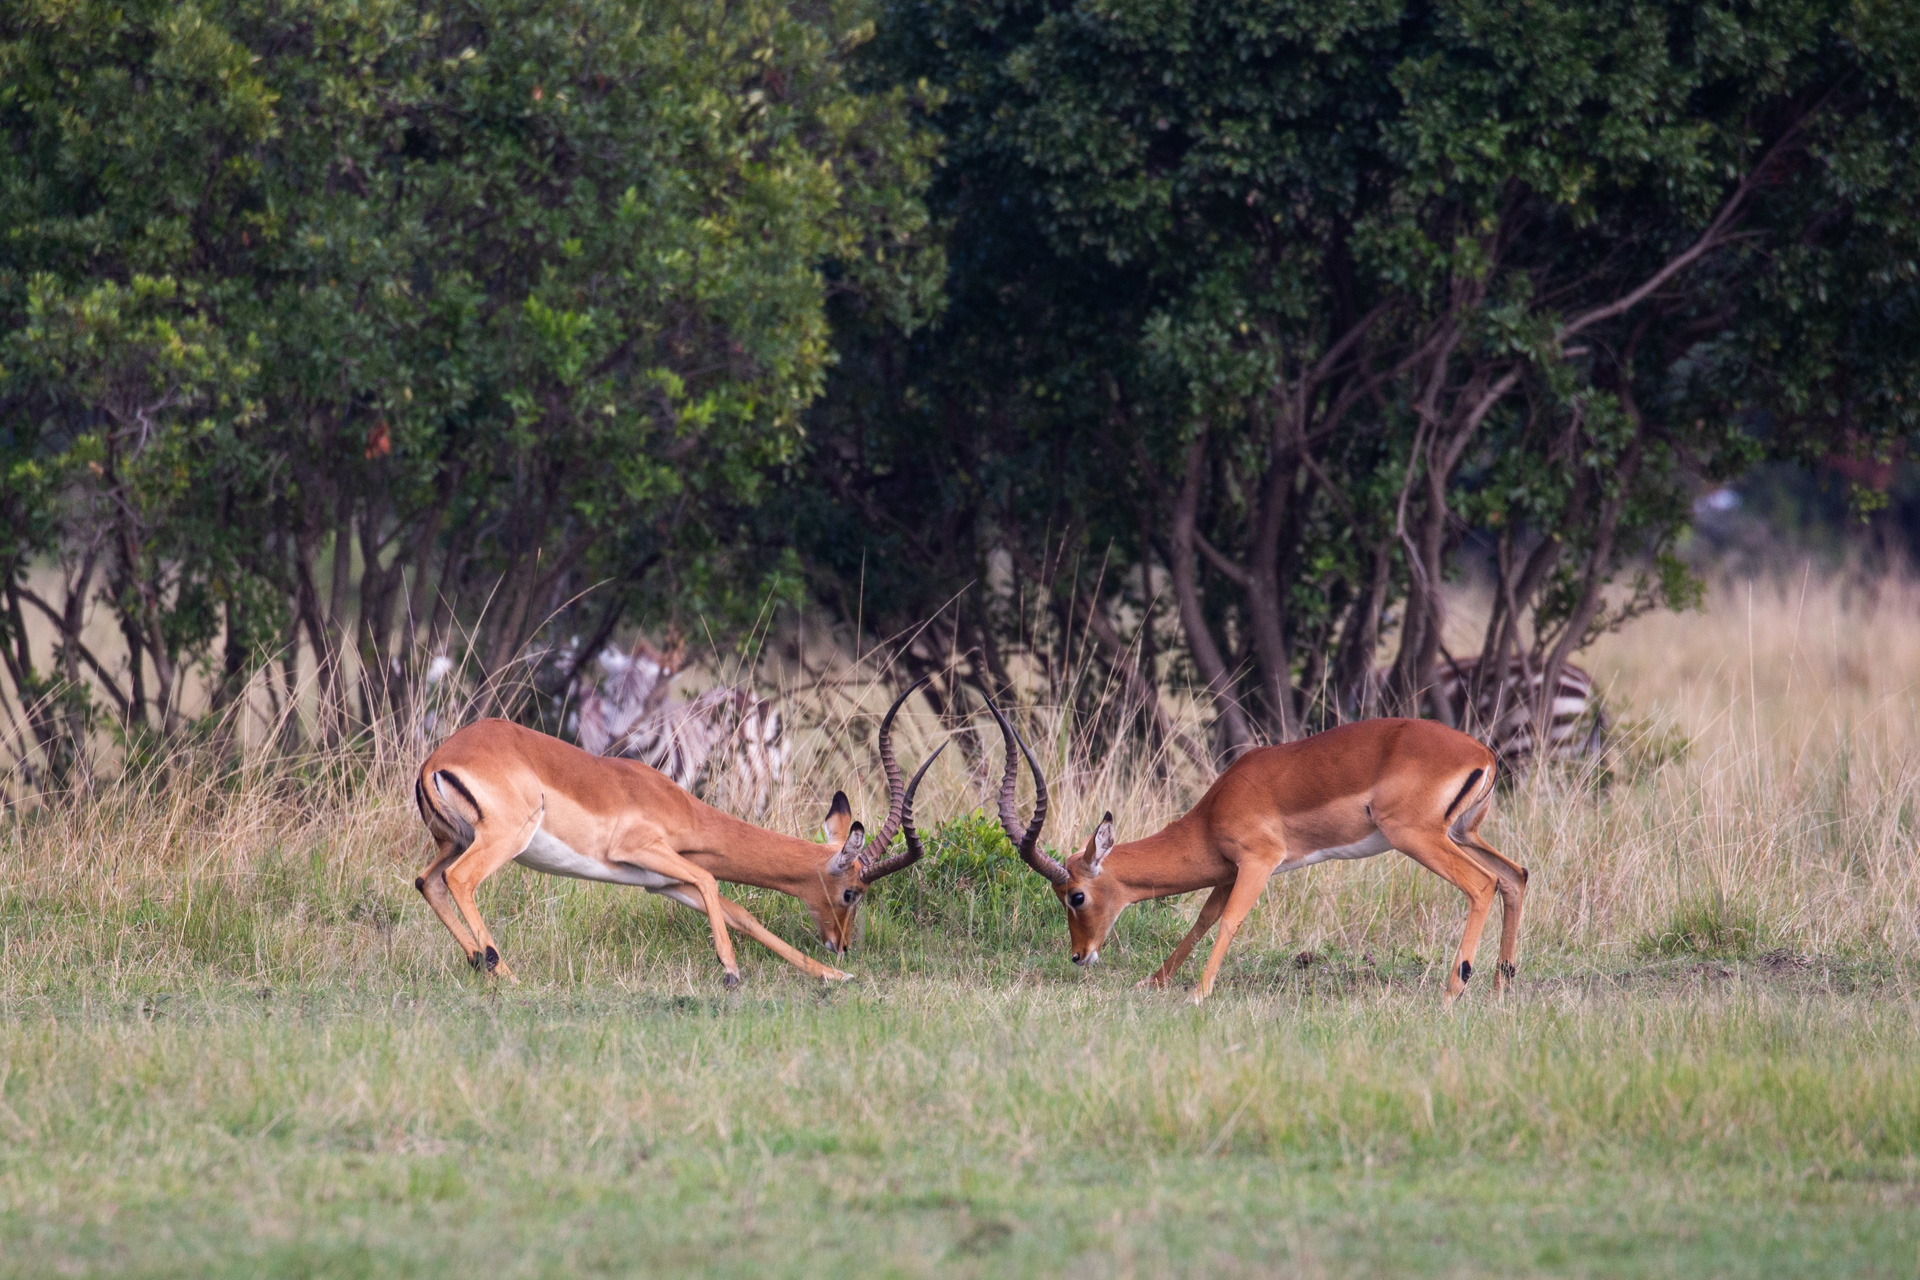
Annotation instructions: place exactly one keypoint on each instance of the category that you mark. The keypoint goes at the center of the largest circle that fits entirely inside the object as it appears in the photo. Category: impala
(1351, 792)
(496, 792)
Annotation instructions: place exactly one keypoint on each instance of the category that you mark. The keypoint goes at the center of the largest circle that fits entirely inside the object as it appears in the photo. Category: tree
(123, 402)
(1294, 298)
(461, 320)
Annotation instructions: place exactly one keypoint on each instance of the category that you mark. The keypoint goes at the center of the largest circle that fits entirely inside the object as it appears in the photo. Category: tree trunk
(1263, 593)
(1238, 734)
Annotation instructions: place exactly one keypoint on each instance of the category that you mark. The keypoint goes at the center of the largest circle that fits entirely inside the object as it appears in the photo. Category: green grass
(291, 1075)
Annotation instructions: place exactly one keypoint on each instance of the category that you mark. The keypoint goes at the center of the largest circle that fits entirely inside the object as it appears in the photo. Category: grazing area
(687, 382)
(234, 1041)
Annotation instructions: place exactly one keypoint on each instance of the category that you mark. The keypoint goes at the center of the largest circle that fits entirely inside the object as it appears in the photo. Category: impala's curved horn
(1028, 843)
(913, 852)
(896, 795)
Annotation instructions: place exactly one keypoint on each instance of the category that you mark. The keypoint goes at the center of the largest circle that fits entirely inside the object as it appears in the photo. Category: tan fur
(1277, 806)
(619, 812)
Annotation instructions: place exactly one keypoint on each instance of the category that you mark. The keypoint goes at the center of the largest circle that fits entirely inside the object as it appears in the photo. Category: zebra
(1576, 726)
(630, 715)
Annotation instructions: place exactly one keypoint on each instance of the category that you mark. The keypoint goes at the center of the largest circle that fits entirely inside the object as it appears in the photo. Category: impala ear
(1102, 844)
(849, 855)
(839, 818)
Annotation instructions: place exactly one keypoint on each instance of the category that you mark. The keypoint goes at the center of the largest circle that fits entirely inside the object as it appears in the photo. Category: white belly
(557, 858)
(1375, 843)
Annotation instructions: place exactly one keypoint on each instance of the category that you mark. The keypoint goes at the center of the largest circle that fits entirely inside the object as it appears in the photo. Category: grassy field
(233, 1041)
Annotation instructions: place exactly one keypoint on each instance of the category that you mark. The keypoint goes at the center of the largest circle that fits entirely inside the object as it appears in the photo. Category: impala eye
(1076, 899)
(849, 896)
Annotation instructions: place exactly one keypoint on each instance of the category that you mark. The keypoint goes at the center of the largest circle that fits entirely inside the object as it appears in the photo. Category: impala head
(856, 862)
(1092, 902)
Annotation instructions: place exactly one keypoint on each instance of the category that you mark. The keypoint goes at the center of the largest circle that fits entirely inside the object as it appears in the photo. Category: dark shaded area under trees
(1210, 335)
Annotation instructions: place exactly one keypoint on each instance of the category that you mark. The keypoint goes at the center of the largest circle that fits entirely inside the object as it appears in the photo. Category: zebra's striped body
(1576, 725)
(690, 742)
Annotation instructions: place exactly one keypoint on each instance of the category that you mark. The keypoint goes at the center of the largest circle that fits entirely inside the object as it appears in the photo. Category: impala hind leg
(489, 852)
(1437, 852)
(433, 887)
(1241, 897)
(1209, 913)
(1512, 878)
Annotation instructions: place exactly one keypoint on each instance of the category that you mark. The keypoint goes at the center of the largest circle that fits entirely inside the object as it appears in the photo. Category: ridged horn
(1028, 843)
(913, 852)
(896, 794)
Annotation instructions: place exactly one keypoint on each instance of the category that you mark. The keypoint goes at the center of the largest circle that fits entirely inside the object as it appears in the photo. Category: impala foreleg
(1209, 914)
(1437, 852)
(745, 921)
(1248, 884)
(666, 862)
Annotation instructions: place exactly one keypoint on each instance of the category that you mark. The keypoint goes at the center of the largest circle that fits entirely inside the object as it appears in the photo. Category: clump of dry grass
(1789, 820)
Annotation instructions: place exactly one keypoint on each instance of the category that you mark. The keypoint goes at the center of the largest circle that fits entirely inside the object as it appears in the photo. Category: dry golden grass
(1760, 794)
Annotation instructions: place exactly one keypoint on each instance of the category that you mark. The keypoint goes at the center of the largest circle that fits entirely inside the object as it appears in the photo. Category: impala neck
(1173, 860)
(742, 853)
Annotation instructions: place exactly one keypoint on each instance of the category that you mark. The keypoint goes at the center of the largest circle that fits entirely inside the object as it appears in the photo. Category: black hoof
(731, 980)
(1466, 970)
(493, 959)
(1506, 970)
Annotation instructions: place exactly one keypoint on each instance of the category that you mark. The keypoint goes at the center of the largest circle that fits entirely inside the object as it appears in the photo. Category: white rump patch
(556, 857)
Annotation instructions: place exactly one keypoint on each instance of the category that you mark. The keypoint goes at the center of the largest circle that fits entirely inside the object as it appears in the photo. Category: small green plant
(1646, 747)
(1704, 926)
(971, 883)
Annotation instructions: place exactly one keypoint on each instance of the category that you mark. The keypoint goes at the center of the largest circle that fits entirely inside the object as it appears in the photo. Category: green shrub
(1709, 926)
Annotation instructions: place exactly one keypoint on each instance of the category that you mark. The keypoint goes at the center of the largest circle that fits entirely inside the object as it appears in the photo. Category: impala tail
(442, 803)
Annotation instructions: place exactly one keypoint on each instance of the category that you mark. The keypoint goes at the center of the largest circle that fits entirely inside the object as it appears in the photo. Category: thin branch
(1710, 239)
(1231, 571)
(86, 655)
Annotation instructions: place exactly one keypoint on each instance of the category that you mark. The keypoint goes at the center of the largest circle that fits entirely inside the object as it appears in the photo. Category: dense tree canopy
(379, 328)
(1258, 309)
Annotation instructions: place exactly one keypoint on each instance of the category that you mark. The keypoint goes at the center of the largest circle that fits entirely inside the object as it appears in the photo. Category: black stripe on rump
(1471, 779)
(465, 794)
(420, 801)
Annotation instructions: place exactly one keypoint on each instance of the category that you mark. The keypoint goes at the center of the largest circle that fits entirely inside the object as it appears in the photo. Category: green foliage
(340, 335)
(973, 885)
(470, 307)
(1280, 303)
(1713, 925)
